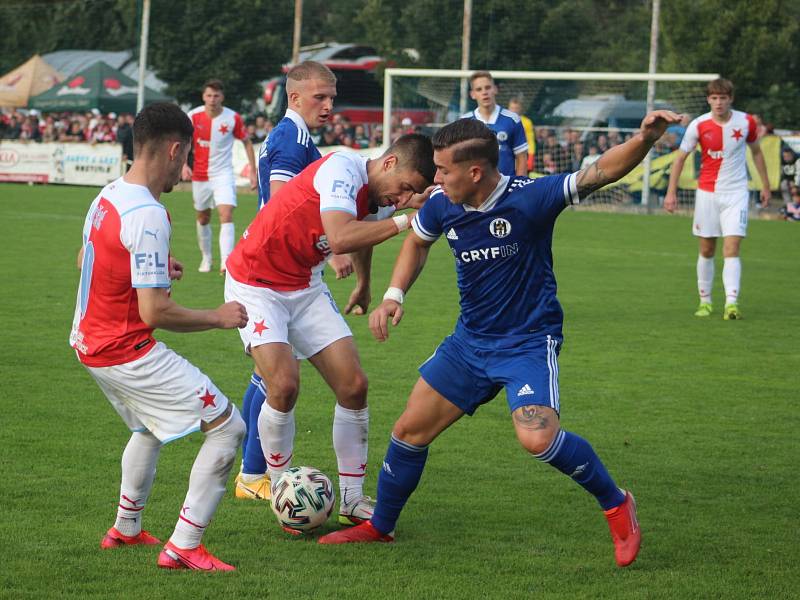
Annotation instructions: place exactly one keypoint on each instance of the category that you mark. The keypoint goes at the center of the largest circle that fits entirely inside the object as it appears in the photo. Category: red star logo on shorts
(737, 134)
(363, 466)
(275, 457)
(223, 129)
(208, 399)
(259, 327)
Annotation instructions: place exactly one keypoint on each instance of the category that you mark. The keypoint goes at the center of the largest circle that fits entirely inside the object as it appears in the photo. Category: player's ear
(390, 162)
(174, 149)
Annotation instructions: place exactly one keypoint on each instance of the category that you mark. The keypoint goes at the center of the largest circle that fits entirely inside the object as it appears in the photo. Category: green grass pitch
(698, 417)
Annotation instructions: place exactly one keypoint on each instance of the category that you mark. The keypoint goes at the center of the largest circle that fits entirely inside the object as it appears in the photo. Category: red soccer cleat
(624, 530)
(362, 533)
(197, 559)
(114, 539)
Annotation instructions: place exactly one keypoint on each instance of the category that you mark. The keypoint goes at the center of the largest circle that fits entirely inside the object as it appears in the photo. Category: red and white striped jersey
(213, 142)
(125, 246)
(285, 247)
(723, 166)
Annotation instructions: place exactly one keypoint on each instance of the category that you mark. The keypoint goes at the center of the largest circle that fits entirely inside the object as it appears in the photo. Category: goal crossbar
(558, 75)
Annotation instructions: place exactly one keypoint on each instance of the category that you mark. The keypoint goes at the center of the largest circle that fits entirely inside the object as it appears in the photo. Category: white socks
(227, 235)
(705, 277)
(207, 481)
(731, 276)
(138, 471)
(350, 441)
(204, 239)
(276, 430)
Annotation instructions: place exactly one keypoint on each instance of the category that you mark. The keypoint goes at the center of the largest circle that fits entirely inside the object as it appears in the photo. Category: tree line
(243, 42)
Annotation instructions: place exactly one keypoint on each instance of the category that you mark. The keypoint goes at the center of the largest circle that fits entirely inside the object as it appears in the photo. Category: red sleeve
(752, 133)
(239, 130)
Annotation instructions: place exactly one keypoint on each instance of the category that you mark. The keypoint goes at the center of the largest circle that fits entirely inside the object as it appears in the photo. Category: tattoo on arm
(590, 179)
(531, 418)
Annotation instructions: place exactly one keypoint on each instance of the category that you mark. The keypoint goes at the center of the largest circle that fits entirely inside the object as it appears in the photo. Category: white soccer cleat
(357, 511)
(205, 264)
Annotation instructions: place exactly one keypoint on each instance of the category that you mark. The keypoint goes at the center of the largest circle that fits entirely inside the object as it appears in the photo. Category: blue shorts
(469, 376)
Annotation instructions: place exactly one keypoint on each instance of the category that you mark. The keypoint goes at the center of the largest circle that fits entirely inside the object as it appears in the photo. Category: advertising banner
(74, 163)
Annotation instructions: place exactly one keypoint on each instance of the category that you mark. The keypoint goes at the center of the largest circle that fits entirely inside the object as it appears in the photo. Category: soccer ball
(302, 498)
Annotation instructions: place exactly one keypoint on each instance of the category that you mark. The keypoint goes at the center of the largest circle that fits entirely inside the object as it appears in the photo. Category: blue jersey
(503, 257)
(287, 151)
(510, 133)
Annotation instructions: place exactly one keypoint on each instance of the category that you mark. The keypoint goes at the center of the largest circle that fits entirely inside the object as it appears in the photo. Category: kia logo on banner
(8, 158)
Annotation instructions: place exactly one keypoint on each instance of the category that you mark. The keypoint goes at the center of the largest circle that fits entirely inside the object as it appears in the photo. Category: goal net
(576, 117)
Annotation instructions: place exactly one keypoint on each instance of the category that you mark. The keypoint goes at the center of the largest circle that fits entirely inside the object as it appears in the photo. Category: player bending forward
(508, 335)
(276, 272)
(124, 294)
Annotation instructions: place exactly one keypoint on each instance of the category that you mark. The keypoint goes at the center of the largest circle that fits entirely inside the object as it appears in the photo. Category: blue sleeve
(427, 223)
(287, 157)
(548, 196)
(519, 141)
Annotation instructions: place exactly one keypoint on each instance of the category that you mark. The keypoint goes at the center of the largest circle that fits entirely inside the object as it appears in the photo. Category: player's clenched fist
(232, 315)
(379, 319)
(655, 123)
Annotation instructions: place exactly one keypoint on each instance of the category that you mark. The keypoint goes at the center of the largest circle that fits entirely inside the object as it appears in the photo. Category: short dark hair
(720, 86)
(472, 140)
(159, 121)
(214, 84)
(414, 151)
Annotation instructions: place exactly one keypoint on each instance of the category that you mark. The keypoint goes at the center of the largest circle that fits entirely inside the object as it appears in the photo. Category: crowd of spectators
(92, 127)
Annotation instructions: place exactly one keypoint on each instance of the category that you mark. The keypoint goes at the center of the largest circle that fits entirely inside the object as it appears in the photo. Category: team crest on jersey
(97, 217)
(500, 228)
(502, 136)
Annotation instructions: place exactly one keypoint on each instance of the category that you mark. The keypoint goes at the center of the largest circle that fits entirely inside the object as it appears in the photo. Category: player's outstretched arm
(345, 234)
(620, 160)
(158, 310)
(407, 268)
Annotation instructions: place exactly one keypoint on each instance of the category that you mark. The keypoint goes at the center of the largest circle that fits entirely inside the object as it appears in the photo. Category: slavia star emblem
(208, 399)
(259, 327)
(737, 134)
(223, 129)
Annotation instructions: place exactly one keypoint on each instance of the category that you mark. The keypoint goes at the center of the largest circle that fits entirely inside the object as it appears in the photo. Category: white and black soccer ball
(302, 498)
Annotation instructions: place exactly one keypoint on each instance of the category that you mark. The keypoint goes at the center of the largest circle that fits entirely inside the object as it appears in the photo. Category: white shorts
(161, 392)
(720, 214)
(308, 320)
(211, 193)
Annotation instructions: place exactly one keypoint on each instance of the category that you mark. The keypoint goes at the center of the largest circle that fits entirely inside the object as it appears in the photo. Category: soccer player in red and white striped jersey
(721, 201)
(213, 181)
(124, 294)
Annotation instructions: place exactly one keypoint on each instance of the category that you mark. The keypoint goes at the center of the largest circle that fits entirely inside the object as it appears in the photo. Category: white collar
(490, 202)
(296, 119)
(493, 119)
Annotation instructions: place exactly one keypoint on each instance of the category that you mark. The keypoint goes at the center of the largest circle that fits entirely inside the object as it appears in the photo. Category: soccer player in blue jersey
(506, 124)
(509, 334)
(311, 89)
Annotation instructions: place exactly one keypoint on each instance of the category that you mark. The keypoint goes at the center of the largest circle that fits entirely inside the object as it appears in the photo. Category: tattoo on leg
(531, 418)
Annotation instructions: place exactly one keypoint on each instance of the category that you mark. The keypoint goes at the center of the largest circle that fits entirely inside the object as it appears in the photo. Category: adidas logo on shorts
(525, 390)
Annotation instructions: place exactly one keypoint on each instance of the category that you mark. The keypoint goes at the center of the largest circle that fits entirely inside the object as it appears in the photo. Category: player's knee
(230, 432)
(353, 394)
(410, 433)
(282, 392)
(203, 218)
(536, 442)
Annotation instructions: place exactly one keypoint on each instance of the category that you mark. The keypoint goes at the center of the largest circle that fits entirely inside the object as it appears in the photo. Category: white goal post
(444, 92)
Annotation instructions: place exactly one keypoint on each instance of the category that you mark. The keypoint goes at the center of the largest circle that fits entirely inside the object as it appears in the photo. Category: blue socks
(246, 402)
(253, 461)
(401, 472)
(574, 456)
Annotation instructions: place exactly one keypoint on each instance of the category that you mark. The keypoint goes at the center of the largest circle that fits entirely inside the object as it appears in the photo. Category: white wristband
(401, 222)
(394, 293)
